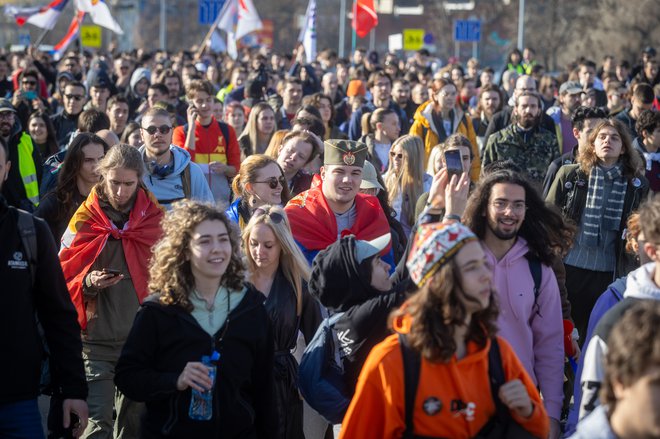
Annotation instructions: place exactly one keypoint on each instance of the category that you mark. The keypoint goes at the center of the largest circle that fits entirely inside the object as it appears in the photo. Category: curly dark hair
(170, 273)
(546, 231)
(436, 310)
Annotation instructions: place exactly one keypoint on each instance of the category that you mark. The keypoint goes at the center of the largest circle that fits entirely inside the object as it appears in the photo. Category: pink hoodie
(536, 339)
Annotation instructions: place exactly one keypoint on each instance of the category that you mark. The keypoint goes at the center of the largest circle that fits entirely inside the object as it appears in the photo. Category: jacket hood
(138, 74)
(641, 285)
(337, 280)
(619, 285)
(181, 160)
(519, 250)
(423, 114)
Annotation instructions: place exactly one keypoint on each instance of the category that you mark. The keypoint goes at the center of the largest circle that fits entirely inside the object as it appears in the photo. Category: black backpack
(28, 234)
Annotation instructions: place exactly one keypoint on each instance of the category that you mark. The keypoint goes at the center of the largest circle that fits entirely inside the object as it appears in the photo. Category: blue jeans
(20, 420)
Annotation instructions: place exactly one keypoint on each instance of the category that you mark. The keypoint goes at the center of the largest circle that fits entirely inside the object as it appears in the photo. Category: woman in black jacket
(279, 270)
(201, 306)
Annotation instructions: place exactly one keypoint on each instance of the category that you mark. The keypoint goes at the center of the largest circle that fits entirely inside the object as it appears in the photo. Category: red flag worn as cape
(88, 232)
(314, 224)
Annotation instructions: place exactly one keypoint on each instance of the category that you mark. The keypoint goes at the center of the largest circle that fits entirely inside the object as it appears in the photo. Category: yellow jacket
(423, 127)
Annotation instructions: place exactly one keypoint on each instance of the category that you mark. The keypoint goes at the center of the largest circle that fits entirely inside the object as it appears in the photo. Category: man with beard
(171, 174)
(520, 234)
(562, 114)
(103, 256)
(529, 146)
(22, 187)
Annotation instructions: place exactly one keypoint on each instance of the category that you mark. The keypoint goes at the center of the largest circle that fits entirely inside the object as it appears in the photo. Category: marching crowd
(199, 247)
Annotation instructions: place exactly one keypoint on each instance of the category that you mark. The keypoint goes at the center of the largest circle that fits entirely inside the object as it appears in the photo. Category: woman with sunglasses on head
(260, 181)
(278, 269)
(446, 338)
(200, 307)
(405, 178)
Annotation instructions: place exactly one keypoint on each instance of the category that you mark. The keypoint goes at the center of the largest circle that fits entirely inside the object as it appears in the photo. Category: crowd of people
(481, 251)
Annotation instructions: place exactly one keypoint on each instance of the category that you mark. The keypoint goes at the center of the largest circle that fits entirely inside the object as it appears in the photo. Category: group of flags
(45, 17)
(237, 18)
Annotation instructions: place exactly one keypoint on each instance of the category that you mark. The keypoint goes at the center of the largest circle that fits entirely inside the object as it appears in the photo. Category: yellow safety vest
(27, 169)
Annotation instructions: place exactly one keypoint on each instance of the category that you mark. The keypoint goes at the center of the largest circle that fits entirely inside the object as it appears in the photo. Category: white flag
(248, 19)
(99, 13)
(308, 32)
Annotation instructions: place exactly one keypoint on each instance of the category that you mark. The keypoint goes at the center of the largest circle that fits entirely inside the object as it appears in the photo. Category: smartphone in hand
(112, 271)
(454, 163)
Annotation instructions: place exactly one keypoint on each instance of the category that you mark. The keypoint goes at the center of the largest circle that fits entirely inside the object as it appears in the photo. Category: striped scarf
(601, 215)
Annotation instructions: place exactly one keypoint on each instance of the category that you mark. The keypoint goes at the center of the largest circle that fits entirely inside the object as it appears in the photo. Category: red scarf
(88, 232)
(314, 225)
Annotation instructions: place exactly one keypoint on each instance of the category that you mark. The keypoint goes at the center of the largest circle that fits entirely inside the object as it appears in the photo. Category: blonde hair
(251, 130)
(293, 264)
(410, 180)
(169, 271)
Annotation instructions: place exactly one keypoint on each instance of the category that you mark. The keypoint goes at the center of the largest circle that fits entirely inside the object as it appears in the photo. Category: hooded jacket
(639, 286)
(460, 388)
(595, 426)
(424, 127)
(341, 284)
(134, 99)
(536, 337)
(13, 189)
(166, 337)
(607, 300)
(169, 188)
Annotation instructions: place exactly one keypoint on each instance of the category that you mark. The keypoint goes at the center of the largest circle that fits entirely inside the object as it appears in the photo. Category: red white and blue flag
(44, 17)
(99, 13)
(71, 34)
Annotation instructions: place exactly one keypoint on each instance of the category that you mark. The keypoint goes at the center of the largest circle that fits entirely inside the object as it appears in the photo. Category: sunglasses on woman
(394, 155)
(274, 181)
(275, 217)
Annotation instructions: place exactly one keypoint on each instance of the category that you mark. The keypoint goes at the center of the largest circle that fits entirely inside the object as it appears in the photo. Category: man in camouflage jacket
(528, 145)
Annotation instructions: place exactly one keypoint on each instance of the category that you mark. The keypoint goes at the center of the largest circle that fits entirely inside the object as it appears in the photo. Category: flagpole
(354, 34)
(215, 24)
(342, 28)
(80, 20)
(41, 38)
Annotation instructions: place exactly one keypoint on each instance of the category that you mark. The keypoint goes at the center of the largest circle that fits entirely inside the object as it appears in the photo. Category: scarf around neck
(601, 215)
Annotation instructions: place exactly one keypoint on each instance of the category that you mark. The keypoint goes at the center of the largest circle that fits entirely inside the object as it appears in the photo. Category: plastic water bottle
(201, 403)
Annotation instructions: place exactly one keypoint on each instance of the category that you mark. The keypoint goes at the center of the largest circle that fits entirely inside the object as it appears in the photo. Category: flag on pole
(248, 19)
(227, 19)
(44, 17)
(100, 14)
(308, 32)
(364, 17)
(71, 34)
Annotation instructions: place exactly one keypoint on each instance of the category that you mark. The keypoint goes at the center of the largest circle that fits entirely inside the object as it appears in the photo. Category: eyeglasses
(6, 115)
(163, 129)
(274, 181)
(275, 217)
(75, 97)
(395, 155)
(515, 206)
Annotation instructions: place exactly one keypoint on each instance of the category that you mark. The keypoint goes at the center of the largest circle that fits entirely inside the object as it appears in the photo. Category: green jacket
(533, 156)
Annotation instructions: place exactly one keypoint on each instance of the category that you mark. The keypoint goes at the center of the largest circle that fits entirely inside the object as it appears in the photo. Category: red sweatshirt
(210, 144)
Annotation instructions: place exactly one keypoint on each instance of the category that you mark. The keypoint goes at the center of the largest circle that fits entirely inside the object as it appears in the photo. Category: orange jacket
(461, 386)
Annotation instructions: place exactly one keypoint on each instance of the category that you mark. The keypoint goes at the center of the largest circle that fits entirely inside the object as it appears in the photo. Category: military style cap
(344, 152)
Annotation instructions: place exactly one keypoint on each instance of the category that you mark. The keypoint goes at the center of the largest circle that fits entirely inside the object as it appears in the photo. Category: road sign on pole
(209, 10)
(467, 30)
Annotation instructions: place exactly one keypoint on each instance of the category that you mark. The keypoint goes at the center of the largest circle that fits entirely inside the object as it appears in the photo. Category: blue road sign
(467, 30)
(209, 10)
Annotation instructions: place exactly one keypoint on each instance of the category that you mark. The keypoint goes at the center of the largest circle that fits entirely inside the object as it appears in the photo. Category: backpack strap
(224, 128)
(412, 364)
(28, 234)
(186, 182)
(535, 270)
(496, 377)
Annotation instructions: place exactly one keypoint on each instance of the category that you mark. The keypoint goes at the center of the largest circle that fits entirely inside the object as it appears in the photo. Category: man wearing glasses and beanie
(336, 208)
(171, 175)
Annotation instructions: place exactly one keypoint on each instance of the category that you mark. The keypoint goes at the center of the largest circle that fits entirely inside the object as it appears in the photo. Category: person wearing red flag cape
(335, 208)
(104, 256)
